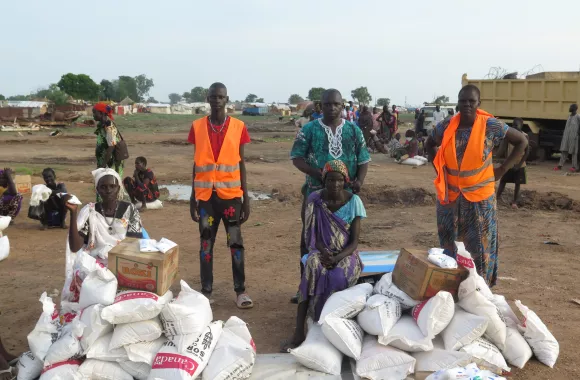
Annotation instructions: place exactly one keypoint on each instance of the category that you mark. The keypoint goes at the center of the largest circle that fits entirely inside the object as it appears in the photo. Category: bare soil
(401, 213)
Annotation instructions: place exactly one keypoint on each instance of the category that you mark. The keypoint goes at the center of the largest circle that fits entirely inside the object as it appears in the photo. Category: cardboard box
(23, 184)
(421, 280)
(151, 271)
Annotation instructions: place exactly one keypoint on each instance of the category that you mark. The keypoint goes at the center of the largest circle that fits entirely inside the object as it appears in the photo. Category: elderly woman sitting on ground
(99, 227)
(332, 220)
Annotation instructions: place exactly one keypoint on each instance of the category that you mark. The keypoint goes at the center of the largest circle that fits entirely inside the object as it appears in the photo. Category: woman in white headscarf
(99, 226)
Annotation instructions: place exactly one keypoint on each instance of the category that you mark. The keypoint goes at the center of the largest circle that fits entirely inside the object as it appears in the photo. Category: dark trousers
(211, 212)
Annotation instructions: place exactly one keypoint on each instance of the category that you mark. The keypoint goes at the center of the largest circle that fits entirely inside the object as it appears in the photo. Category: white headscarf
(102, 172)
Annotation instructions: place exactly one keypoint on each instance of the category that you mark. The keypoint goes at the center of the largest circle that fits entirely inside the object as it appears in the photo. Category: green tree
(315, 93)
(186, 96)
(19, 97)
(362, 95)
(260, 100)
(174, 98)
(53, 94)
(108, 91)
(152, 100)
(441, 99)
(295, 99)
(381, 102)
(143, 84)
(251, 98)
(2, 97)
(79, 86)
(198, 95)
(125, 86)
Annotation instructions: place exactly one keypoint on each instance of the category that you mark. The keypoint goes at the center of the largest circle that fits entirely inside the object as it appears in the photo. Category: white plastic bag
(99, 288)
(407, 336)
(439, 358)
(68, 345)
(145, 352)
(415, 161)
(379, 315)
(189, 313)
(100, 351)
(486, 354)
(442, 260)
(4, 247)
(347, 303)
(344, 334)
(135, 332)
(379, 362)
(155, 205)
(78, 266)
(517, 351)
(135, 306)
(475, 297)
(95, 326)
(29, 367)
(45, 333)
(469, 372)
(138, 370)
(101, 370)
(434, 315)
(234, 355)
(317, 353)
(68, 370)
(463, 329)
(540, 339)
(39, 193)
(170, 364)
(386, 287)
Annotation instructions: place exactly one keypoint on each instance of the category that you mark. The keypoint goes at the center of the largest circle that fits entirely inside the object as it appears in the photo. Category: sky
(406, 50)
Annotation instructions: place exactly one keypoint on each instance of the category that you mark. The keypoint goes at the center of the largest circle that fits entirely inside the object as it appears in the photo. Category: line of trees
(83, 87)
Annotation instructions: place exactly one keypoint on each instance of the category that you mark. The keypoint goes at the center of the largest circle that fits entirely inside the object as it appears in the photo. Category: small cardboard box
(23, 184)
(421, 280)
(151, 271)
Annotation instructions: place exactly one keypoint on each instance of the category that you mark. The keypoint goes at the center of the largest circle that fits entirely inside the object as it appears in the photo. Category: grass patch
(36, 170)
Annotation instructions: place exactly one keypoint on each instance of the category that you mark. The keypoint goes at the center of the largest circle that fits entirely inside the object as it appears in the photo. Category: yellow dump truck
(542, 100)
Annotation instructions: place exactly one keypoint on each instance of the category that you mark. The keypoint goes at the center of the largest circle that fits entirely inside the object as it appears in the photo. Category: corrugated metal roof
(25, 104)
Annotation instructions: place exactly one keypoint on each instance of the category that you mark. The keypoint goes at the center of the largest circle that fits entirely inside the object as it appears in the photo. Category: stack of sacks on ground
(405, 335)
(135, 335)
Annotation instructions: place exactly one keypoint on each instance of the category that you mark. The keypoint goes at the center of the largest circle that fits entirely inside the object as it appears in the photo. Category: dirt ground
(401, 213)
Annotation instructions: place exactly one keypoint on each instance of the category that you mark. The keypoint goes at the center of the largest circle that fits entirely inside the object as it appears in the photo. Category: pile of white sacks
(135, 335)
(391, 335)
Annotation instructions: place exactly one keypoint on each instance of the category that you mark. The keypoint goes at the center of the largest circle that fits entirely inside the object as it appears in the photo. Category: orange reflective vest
(222, 174)
(475, 178)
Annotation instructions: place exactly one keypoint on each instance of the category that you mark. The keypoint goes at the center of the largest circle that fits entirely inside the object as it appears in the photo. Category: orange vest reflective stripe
(475, 178)
(222, 174)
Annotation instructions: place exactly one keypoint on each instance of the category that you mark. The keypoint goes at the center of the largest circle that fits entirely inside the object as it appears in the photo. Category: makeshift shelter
(281, 109)
(159, 108)
(127, 101)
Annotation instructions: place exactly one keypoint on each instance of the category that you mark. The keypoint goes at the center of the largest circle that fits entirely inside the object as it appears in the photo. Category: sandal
(244, 301)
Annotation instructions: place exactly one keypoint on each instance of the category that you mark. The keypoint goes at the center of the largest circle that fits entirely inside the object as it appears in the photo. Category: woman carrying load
(107, 138)
(332, 221)
(465, 183)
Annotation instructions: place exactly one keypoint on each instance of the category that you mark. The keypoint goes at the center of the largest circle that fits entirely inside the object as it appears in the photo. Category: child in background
(421, 143)
(410, 149)
(393, 145)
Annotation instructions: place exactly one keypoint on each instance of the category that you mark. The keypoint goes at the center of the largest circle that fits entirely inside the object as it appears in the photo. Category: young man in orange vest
(219, 185)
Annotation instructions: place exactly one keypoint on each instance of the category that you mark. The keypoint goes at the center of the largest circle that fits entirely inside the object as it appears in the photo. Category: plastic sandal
(244, 298)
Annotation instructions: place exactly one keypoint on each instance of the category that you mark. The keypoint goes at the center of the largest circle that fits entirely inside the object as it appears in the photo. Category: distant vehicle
(542, 100)
(255, 111)
(430, 108)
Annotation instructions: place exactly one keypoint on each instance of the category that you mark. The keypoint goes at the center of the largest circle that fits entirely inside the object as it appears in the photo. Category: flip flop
(242, 299)
(286, 346)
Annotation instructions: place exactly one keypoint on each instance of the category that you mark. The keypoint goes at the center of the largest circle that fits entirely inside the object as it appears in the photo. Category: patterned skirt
(319, 283)
(474, 224)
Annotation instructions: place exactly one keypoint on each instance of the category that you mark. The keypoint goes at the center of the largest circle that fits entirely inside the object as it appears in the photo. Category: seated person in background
(332, 229)
(143, 186)
(411, 147)
(394, 144)
(421, 142)
(54, 207)
(10, 199)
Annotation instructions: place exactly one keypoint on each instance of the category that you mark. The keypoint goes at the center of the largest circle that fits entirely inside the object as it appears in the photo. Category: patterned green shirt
(317, 145)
